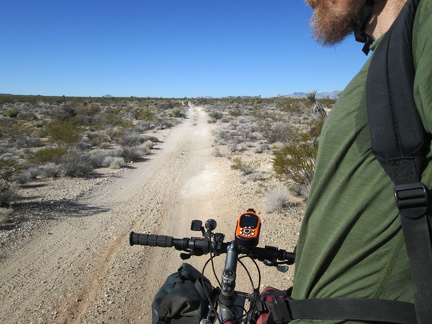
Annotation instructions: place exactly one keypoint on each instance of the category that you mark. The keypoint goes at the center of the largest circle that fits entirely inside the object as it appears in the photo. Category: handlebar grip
(288, 256)
(150, 240)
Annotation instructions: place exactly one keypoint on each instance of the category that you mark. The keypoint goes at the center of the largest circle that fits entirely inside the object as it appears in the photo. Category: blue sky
(167, 48)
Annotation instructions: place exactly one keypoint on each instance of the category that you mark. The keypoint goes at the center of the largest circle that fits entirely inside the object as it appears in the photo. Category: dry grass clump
(278, 198)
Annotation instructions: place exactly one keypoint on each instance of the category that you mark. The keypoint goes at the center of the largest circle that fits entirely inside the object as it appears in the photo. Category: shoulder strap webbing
(350, 309)
(397, 137)
(398, 142)
(397, 132)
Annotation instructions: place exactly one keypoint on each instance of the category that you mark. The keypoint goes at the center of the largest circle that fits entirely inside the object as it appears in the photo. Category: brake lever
(280, 266)
(185, 256)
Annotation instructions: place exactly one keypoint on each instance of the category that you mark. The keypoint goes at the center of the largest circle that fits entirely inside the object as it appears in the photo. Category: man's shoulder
(423, 15)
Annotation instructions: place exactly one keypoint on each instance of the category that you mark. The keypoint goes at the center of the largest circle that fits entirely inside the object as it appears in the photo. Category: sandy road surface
(82, 270)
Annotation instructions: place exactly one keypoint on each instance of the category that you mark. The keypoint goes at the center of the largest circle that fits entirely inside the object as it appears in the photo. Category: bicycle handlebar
(202, 245)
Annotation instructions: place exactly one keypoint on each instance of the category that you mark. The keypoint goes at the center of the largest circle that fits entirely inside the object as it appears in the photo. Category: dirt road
(82, 270)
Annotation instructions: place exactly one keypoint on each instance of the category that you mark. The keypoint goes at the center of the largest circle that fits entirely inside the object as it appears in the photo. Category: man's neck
(384, 14)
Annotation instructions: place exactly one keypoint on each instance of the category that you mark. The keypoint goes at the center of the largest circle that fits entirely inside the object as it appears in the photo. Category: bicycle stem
(227, 295)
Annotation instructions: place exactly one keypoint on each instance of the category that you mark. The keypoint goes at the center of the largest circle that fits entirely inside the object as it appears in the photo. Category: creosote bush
(12, 112)
(63, 132)
(48, 155)
(296, 161)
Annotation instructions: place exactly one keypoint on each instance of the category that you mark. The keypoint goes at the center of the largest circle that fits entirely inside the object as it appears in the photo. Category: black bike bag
(183, 298)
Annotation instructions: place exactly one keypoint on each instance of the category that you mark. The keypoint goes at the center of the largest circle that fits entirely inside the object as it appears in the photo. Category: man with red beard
(351, 244)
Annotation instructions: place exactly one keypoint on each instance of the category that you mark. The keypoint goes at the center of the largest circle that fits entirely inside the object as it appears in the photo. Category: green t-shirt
(351, 242)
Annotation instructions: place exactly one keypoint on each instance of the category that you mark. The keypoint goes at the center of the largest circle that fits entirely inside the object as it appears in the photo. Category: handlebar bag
(183, 298)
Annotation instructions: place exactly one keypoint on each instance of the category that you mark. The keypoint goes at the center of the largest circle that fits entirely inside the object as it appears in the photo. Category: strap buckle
(279, 310)
(412, 199)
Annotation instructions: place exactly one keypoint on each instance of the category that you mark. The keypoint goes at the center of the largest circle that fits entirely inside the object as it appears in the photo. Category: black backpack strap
(397, 133)
(398, 141)
(351, 309)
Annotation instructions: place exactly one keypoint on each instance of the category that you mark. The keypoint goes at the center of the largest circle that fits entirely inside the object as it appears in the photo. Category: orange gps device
(248, 229)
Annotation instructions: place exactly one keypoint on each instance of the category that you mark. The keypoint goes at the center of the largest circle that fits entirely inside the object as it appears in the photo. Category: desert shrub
(8, 168)
(301, 190)
(277, 199)
(130, 153)
(147, 145)
(217, 152)
(145, 138)
(47, 155)
(146, 114)
(276, 131)
(296, 161)
(222, 135)
(88, 110)
(116, 163)
(8, 192)
(105, 145)
(256, 176)
(235, 133)
(262, 148)
(164, 105)
(245, 167)
(163, 123)
(5, 214)
(11, 112)
(28, 141)
(50, 170)
(215, 115)
(114, 133)
(143, 149)
(27, 115)
(134, 139)
(177, 112)
(257, 136)
(130, 139)
(65, 111)
(9, 172)
(95, 138)
(114, 120)
(83, 144)
(75, 164)
(97, 159)
(288, 104)
(143, 126)
(107, 160)
(236, 112)
(234, 146)
(33, 173)
(63, 133)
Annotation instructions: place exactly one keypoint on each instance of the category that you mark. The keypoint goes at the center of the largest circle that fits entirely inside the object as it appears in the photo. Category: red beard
(331, 25)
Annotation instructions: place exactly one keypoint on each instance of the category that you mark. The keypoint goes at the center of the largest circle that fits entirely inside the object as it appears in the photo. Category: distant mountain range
(320, 95)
